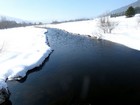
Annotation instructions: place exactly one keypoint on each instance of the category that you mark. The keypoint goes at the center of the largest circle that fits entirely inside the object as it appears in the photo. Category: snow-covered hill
(122, 9)
(127, 32)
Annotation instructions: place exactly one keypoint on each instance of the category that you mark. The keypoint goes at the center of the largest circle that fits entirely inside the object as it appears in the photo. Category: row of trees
(65, 21)
(5, 23)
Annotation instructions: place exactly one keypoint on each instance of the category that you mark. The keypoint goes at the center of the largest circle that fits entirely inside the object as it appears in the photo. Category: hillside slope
(122, 9)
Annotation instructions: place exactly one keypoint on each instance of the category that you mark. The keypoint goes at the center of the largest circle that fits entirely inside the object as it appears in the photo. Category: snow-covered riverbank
(127, 32)
(21, 49)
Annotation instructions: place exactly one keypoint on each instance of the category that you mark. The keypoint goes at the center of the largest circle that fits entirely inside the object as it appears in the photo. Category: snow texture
(21, 49)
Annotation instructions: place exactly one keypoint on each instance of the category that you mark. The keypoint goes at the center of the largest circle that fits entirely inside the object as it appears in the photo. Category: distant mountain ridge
(122, 9)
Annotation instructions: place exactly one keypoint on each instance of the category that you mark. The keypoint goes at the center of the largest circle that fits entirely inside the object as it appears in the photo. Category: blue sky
(50, 10)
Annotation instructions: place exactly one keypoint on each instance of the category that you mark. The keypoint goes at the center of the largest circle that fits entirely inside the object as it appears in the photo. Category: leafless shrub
(138, 21)
(106, 24)
(97, 34)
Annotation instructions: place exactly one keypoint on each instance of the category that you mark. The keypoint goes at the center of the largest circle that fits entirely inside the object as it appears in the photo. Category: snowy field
(21, 49)
(127, 32)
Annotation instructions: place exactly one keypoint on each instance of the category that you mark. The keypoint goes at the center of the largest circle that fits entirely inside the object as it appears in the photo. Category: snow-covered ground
(127, 32)
(21, 49)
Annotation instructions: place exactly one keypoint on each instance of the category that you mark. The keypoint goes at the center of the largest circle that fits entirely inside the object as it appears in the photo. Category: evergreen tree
(130, 12)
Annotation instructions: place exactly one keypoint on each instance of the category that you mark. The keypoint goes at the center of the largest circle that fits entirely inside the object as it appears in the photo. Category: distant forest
(137, 10)
(5, 23)
(65, 21)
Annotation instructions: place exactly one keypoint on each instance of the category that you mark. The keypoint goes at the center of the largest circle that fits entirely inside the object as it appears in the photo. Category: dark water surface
(80, 71)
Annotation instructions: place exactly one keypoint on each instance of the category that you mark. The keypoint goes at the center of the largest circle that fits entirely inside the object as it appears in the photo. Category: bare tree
(106, 24)
(2, 47)
(138, 21)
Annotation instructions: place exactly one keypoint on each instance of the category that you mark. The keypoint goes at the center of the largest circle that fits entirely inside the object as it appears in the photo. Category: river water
(80, 71)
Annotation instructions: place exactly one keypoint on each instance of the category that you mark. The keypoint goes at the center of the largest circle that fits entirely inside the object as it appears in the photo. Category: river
(80, 71)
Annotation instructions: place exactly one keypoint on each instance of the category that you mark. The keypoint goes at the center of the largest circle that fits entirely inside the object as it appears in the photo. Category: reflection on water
(81, 71)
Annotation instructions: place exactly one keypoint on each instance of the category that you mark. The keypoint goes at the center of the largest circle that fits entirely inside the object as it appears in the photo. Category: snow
(21, 49)
(127, 32)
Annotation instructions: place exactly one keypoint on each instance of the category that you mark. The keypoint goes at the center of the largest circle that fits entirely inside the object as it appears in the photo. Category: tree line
(5, 23)
(72, 20)
(130, 12)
